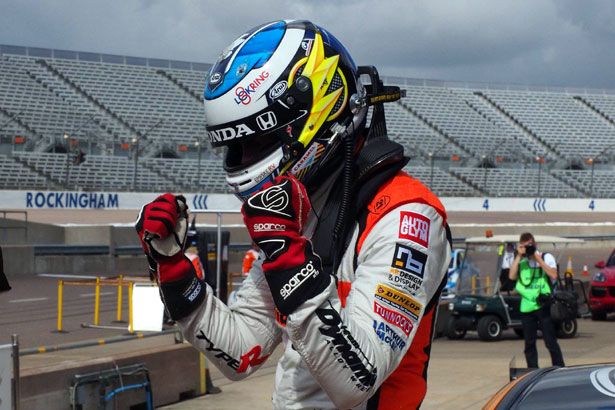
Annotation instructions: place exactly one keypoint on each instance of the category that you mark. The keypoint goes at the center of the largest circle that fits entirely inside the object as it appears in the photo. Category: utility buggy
(480, 304)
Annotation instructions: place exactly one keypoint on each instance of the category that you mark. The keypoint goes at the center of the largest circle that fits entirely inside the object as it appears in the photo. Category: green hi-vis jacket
(537, 283)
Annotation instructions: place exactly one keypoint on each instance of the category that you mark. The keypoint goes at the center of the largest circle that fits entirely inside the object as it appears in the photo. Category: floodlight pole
(593, 160)
(198, 167)
(13, 117)
(591, 180)
(431, 173)
(539, 159)
(136, 154)
(136, 141)
(484, 157)
(431, 155)
(10, 120)
(67, 143)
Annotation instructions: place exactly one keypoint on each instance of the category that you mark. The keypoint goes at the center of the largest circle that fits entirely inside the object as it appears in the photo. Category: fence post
(119, 300)
(202, 368)
(130, 327)
(16, 387)
(97, 301)
(60, 287)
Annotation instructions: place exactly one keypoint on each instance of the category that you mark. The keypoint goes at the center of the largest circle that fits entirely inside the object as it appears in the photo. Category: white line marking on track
(85, 295)
(52, 275)
(27, 300)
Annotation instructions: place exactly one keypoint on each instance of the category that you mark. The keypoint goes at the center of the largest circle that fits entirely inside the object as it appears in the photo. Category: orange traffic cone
(569, 267)
(585, 272)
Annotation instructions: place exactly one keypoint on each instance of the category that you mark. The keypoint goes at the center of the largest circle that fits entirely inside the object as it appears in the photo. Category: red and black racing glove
(162, 227)
(275, 218)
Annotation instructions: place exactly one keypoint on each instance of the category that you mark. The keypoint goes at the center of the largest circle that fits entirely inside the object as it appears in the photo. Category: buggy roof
(515, 238)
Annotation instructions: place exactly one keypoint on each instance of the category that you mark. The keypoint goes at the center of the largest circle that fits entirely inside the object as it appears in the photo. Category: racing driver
(354, 251)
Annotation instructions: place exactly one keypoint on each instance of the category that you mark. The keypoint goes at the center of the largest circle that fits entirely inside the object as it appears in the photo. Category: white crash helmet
(278, 98)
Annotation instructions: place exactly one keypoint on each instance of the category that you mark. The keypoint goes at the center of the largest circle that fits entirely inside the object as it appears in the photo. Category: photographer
(532, 270)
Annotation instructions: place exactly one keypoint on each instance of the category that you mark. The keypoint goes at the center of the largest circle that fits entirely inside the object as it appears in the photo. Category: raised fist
(162, 227)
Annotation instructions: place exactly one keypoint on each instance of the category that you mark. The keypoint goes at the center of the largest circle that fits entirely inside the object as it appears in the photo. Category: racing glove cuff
(292, 285)
(182, 296)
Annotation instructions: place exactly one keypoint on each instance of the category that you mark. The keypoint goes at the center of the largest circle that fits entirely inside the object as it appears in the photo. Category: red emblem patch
(414, 227)
(394, 318)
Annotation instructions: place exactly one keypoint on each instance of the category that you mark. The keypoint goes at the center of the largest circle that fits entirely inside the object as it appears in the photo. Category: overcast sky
(543, 42)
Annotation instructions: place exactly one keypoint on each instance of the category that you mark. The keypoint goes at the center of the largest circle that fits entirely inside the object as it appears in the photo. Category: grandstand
(90, 121)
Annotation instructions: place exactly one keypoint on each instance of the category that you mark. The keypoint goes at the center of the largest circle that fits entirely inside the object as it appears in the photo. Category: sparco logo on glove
(269, 227)
(298, 279)
(273, 199)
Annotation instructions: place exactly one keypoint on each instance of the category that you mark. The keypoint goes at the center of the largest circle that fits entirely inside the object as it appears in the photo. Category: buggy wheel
(454, 329)
(489, 328)
(567, 329)
(598, 315)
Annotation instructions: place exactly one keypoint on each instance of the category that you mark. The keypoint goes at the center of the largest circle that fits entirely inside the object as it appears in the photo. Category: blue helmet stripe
(253, 54)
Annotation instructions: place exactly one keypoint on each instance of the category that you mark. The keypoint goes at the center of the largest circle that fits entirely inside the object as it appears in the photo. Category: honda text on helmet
(277, 98)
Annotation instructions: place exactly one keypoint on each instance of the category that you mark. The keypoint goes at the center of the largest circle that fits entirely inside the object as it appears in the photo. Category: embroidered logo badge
(414, 227)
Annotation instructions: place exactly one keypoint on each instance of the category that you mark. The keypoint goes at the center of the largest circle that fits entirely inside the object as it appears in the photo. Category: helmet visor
(247, 152)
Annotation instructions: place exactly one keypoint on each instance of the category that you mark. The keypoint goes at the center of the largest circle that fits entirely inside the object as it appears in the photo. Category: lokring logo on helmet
(244, 94)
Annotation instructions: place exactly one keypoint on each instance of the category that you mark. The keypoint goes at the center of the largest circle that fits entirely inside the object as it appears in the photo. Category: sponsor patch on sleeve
(398, 300)
(409, 260)
(415, 227)
(394, 318)
(407, 282)
(388, 335)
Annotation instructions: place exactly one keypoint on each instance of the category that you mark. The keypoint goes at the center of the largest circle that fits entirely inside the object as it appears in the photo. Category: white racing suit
(362, 343)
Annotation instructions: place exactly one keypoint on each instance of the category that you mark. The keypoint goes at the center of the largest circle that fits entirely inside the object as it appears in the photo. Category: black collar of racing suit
(377, 162)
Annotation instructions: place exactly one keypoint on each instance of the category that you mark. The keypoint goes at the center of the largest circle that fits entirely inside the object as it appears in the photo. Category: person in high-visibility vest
(532, 270)
(249, 258)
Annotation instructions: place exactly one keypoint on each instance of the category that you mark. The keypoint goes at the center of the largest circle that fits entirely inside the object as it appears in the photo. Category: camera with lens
(543, 299)
(530, 249)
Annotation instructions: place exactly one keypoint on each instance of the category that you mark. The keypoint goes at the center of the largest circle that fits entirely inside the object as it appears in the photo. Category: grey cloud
(563, 42)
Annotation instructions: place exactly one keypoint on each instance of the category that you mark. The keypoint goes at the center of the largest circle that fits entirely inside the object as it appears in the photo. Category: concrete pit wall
(173, 369)
(20, 257)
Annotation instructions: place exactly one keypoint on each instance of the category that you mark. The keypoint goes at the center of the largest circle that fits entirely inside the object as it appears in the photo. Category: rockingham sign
(83, 200)
(72, 200)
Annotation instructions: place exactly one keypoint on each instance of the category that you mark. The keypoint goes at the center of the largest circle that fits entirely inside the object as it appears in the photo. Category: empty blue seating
(103, 102)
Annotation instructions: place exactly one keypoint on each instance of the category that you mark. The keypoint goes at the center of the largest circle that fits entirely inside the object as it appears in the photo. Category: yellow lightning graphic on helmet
(320, 71)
